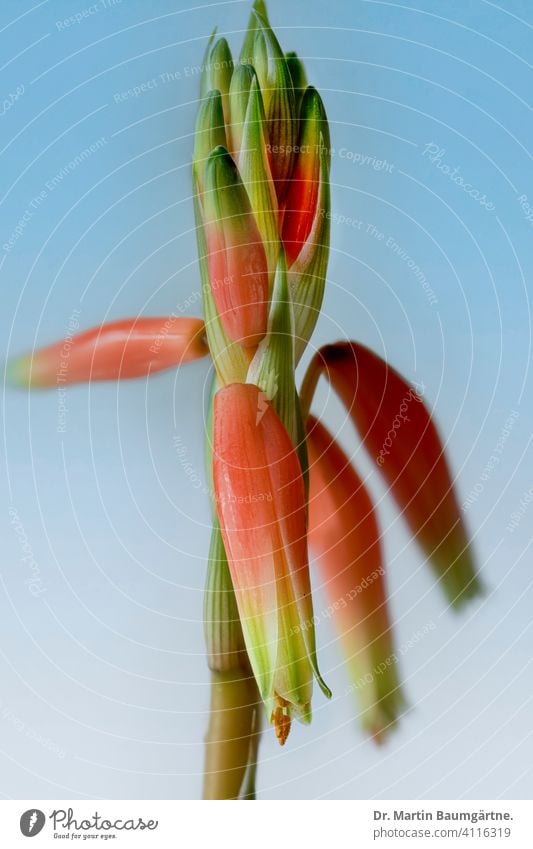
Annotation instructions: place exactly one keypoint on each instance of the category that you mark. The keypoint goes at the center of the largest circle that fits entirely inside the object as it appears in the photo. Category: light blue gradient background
(108, 662)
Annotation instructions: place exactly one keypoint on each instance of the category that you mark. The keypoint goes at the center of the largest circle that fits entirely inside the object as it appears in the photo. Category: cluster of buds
(280, 482)
(261, 186)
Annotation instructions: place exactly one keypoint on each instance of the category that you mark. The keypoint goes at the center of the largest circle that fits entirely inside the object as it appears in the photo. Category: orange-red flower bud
(399, 434)
(344, 536)
(260, 500)
(128, 348)
(302, 196)
(237, 261)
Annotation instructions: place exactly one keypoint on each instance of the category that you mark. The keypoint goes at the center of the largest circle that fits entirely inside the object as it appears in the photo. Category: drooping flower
(401, 438)
(260, 501)
(344, 536)
(116, 351)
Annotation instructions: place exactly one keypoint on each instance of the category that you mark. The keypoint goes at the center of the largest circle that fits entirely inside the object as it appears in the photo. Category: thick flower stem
(232, 736)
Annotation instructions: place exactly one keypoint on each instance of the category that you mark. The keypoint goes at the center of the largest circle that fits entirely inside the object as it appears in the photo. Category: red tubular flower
(344, 536)
(132, 347)
(260, 499)
(403, 441)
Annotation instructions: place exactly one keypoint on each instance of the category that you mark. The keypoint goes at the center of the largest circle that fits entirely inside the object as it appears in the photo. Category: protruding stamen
(281, 721)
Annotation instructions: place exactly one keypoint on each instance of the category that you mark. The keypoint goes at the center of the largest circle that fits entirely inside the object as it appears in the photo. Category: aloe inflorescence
(281, 485)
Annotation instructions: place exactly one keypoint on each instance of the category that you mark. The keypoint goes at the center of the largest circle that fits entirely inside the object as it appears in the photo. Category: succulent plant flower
(121, 349)
(344, 536)
(261, 196)
(400, 436)
(260, 501)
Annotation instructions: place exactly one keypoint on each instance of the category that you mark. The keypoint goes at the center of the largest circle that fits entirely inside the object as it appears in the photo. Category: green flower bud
(307, 277)
(258, 16)
(254, 169)
(217, 73)
(236, 256)
(228, 357)
(210, 132)
(204, 79)
(298, 77)
(239, 92)
(278, 98)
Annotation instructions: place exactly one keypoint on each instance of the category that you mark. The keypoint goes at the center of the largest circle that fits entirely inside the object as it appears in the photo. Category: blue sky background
(104, 686)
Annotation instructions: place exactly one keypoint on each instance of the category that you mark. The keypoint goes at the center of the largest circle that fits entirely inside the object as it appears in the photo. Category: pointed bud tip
(473, 590)
(220, 58)
(18, 372)
(260, 9)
